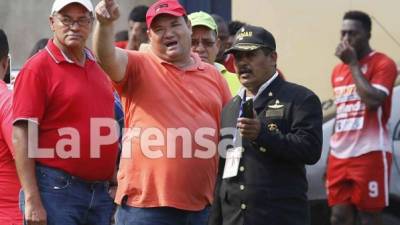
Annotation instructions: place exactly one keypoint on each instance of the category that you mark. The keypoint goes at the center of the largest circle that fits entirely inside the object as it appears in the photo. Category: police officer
(262, 179)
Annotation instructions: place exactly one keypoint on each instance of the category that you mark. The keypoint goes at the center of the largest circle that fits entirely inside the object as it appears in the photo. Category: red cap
(171, 7)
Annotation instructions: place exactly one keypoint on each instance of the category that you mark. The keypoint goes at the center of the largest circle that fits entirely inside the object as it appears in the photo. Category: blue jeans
(70, 200)
(127, 215)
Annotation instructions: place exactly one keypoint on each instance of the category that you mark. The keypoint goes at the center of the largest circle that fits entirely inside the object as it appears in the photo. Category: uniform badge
(277, 105)
(272, 127)
(275, 110)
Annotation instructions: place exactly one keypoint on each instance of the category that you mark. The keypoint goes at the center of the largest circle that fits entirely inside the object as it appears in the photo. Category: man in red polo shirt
(9, 183)
(64, 128)
(172, 102)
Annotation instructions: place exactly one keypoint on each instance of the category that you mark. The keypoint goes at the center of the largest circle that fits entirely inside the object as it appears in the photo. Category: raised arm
(113, 60)
(370, 95)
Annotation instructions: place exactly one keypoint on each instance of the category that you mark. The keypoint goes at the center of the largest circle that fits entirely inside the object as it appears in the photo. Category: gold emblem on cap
(277, 105)
(272, 127)
(243, 34)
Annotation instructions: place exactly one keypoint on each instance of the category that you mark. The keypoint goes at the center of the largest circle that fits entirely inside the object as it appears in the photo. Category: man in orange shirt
(172, 102)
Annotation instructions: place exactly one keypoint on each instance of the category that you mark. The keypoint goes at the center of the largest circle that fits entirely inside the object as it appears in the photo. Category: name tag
(232, 162)
(274, 113)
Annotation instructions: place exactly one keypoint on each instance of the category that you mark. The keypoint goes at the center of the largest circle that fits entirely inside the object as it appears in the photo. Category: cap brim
(204, 25)
(244, 47)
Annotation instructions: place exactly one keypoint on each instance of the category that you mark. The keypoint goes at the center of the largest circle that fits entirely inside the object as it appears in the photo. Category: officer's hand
(107, 11)
(35, 214)
(249, 128)
(346, 53)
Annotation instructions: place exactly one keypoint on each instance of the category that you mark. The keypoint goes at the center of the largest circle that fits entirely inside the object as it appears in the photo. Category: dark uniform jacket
(271, 185)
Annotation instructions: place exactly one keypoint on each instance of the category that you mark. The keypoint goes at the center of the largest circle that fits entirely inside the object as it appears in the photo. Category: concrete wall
(26, 21)
(307, 33)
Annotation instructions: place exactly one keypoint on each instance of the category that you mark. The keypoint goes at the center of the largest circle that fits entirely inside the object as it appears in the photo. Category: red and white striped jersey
(359, 130)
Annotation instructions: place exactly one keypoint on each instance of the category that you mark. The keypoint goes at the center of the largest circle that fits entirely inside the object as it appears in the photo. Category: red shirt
(9, 183)
(121, 44)
(158, 96)
(359, 130)
(229, 63)
(59, 95)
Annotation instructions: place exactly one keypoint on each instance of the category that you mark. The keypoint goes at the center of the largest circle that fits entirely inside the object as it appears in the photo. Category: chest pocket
(274, 119)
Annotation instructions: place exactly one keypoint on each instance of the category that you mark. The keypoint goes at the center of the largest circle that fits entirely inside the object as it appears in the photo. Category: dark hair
(39, 45)
(121, 35)
(186, 18)
(362, 17)
(4, 47)
(234, 26)
(218, 19)
(222, 26)
(138, 14)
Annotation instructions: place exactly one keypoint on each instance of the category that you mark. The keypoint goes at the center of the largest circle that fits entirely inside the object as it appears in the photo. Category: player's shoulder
(379, 57)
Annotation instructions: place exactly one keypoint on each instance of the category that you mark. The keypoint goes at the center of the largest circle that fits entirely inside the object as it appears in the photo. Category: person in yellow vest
(206, 44)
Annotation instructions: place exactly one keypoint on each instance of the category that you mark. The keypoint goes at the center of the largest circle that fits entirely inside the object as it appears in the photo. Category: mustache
(244, 70)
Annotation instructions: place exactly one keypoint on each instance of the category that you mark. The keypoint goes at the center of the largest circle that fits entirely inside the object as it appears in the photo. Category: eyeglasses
(68, 22)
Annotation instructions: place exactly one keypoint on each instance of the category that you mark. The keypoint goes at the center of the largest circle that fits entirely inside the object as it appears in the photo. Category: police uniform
(263, 182)
(271, 184)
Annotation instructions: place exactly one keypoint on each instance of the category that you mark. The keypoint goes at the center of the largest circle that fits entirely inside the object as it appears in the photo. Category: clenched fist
(346, 53)
(107, 11)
